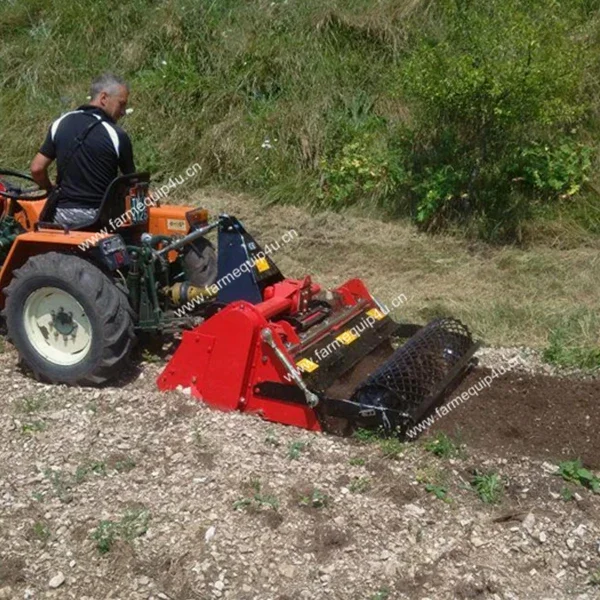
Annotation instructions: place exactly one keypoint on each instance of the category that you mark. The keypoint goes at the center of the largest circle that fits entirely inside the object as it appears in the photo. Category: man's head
(110, 93)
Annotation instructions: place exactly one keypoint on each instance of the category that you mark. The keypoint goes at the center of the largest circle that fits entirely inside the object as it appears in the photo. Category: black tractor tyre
(106, 310)
(200, 263)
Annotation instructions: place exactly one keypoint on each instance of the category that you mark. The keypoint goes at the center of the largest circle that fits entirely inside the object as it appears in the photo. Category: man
(89, 149)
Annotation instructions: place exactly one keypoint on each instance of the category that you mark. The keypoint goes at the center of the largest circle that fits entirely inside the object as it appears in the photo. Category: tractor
(76, 300)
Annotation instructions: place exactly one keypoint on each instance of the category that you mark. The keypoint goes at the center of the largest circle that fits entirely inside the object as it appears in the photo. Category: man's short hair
(107, 82)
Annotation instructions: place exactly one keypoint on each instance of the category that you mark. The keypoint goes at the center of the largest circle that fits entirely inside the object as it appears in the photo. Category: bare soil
(534, 415)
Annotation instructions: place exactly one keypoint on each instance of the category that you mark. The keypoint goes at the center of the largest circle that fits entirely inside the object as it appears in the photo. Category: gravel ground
(124, 492)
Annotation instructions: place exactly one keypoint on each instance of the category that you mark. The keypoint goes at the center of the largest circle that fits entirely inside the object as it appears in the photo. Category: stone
(57, 580)
(570, 543)
(529, 522)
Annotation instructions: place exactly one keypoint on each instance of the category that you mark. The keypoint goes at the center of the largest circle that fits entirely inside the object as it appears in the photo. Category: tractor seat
(114, 207)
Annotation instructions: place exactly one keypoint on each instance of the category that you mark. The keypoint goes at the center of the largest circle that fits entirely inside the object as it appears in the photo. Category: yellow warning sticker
(347, 337)
(306, 365)
(262, 264)
(176, 225)
(375, 313)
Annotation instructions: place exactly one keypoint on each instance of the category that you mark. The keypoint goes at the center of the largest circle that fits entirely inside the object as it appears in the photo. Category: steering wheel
(8, 189)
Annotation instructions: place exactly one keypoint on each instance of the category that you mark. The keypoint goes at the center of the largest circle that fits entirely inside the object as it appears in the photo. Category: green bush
(476, 113)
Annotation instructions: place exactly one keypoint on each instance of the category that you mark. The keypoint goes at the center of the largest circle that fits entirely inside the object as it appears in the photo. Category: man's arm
(41, 161)
(126, 163)
(39, 170)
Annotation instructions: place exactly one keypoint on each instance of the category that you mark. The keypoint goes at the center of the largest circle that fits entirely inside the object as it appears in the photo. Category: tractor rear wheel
(68, 320)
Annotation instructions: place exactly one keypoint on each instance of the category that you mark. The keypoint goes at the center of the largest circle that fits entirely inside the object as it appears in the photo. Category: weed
(125, 465)
(359, 485)
(440, 492)
(32, 404)
(41, 531)
(258, 499)
(594, 579)
(315, 499)
(38, 496)
(296, 448)
(132, 525)
(488, 487)
(149, 356)
(61, 485)
(367, 436)
(104, 535)
(381, 594)
(574, 472)
(356, 461)
(442, 445)
(272, 439)
(94, 467)
(33, 427)
(567, 494)
(391, 448)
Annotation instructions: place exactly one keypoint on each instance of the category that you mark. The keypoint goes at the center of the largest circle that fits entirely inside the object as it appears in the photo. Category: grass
(360, 485)
(439, 491)
(32, 404)
(488, 486)
(390, 447)
(133, 524)
(213, 81)
(507, 296)
(33, 427)
(443, 446)
(41, 531)
(295, 449)
(257, 500)
(314, 499)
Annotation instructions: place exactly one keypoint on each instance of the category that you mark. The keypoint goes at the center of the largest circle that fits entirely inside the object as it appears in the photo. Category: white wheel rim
(57, 326)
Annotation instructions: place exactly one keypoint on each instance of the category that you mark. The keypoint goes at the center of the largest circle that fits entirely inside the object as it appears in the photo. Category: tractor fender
(39, 242)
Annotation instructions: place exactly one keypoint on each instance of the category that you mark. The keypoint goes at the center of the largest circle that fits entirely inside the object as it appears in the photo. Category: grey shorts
(75, 217)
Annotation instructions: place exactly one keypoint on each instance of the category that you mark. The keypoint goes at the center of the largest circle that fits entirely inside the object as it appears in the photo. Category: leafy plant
(440, 492)
(41, 531)
(132, 525)
(391, 448)
(257, 500)
(356, 461)
(33, 427)
(315, 499)
(360, 485)
(488, 486)
(442, 445)
(566, 494)
(574, 472)
(272, 439)
(295, 449)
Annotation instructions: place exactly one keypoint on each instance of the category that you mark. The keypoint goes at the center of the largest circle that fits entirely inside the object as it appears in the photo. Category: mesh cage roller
(416, 373)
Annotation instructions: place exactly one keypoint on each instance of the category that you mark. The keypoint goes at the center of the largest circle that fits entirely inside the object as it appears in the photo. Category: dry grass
(509, 296)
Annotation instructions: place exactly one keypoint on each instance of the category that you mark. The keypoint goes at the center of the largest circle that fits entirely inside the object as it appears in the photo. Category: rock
(57, 580)
(6, 593)
(570, 543)
(543, 537)
(412, 510)
(288, 571)
(219, 585)
(210, 534)
(580, 531)
(529, 522)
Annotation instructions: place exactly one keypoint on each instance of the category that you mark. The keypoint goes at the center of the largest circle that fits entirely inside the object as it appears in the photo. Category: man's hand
(39, 171)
